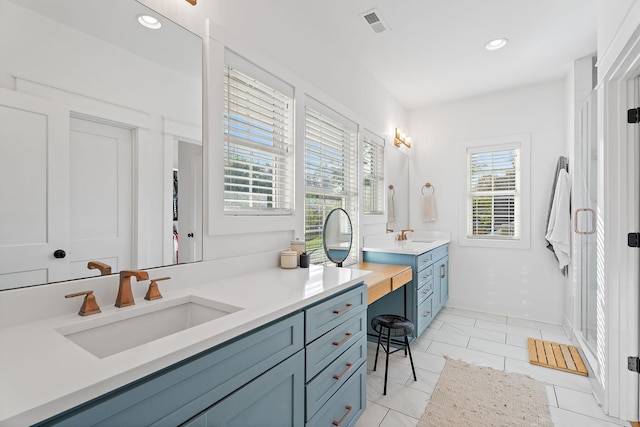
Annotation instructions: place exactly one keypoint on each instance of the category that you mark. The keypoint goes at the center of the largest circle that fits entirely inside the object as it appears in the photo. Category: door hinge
(633, 364)
(633, 115)
(633, 240)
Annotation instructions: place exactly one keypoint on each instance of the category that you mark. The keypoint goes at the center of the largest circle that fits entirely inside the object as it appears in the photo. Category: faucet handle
(89, 305)
(153, 292)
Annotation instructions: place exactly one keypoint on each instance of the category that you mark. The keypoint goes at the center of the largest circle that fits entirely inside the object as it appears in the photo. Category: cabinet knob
(59, 253)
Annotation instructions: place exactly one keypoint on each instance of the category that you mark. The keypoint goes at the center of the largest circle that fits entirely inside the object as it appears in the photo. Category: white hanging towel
(559, 228)
(390, 209)
(429, 209)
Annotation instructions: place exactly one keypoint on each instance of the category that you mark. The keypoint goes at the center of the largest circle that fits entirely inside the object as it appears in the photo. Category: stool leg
(406, 342)
(377, 350)
(386, 367)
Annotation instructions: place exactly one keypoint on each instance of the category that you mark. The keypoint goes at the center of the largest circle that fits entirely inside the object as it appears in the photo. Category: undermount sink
(423, 240)
(118, 332)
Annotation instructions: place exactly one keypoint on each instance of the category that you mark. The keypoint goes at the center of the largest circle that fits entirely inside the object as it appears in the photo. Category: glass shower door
(585, 222)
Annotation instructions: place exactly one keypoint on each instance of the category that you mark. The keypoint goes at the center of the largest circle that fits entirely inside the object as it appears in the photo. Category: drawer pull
(342, 341)
(337, 377)
(426, 260)
(427, 314)
(443, 271)
(346, 307)
(337, 423)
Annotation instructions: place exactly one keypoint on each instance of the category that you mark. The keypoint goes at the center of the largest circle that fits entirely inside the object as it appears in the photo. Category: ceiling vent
(375, 21)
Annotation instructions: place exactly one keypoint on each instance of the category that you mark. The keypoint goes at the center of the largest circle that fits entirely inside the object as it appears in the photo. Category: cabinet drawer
(425, 314)
(424, 276)
(440, 252)
(345, 407)
(325, 349)
(334, 376)
(425, 292)
(424, 260)
(401, 279)
(327, 315)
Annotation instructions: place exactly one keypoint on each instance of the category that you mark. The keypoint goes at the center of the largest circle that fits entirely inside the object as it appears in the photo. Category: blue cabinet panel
(274, 399)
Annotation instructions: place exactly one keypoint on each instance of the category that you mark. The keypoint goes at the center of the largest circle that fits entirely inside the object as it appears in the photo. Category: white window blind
(373, 175)
(493, 193)
(258, 146)
(331, 178)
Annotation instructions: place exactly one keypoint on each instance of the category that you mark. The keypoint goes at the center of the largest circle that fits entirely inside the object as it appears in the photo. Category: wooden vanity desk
(385, 278)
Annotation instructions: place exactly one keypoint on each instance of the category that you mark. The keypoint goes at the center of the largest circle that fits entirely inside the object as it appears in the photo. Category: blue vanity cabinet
(301, 369)
(424, 296)
(176, 394)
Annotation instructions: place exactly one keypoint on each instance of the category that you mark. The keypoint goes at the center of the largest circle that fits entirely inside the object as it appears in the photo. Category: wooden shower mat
(556, 356)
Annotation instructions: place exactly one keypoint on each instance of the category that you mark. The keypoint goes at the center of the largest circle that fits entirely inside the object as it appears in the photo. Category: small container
(304, 260)
(288, 259)
(299, 246)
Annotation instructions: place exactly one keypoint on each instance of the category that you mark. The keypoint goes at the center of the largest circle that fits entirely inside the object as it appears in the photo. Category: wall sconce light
(192, 2)
(401, 138)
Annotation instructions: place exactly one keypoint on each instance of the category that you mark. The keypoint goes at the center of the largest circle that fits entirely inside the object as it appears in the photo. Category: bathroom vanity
(428, 291)
(280, 347)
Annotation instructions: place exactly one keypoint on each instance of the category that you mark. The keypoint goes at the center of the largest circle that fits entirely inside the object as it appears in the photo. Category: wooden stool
(392, 325)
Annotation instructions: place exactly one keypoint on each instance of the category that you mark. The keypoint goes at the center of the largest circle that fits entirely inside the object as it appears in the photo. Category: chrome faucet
(403, 234)
(125, 296)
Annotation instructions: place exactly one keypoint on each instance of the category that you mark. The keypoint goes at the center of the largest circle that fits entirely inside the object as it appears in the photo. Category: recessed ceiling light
(149, 22)
(496, 44)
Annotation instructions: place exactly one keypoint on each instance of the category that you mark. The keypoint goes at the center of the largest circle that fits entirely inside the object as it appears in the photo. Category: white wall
(521, 283)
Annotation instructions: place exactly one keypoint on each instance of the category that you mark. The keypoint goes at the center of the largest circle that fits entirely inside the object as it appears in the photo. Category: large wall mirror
(398, 196)
(100, 141)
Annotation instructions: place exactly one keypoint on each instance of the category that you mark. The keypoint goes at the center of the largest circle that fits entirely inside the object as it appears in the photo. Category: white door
(189, 202)
(101, 196)
(34, 190)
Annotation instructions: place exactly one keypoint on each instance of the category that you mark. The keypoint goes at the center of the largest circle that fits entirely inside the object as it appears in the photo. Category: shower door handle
(593, 221)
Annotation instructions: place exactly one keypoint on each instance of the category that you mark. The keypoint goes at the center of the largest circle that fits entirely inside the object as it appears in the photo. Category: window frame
(350, 197)
(284, 176)
(523, 143)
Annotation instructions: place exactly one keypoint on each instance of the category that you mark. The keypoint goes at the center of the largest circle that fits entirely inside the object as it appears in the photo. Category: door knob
(59, 253)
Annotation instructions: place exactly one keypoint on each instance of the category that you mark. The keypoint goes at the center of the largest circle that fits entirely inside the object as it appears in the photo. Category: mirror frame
(337, 261)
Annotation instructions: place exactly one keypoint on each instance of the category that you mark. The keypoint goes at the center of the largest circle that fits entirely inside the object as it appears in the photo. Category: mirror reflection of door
(34, 176)
(67, 188)
(101, 195)
(189, 204)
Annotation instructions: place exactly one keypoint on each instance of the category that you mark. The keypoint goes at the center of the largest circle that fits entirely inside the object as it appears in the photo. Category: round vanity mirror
(336, 236)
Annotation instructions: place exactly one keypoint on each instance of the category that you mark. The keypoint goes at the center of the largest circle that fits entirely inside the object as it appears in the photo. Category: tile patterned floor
(484, 339)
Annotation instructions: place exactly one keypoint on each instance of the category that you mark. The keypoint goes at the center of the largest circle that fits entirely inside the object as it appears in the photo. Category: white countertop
(43, 373)
(408, 247)
(418, 242)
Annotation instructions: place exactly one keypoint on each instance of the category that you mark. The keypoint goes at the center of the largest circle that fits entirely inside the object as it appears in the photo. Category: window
(330, 176)
(258, 142)
(496, 196)
(373, 174)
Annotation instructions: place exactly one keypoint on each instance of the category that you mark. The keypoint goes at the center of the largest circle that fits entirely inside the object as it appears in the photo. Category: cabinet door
(273, 399)
(441, 273)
